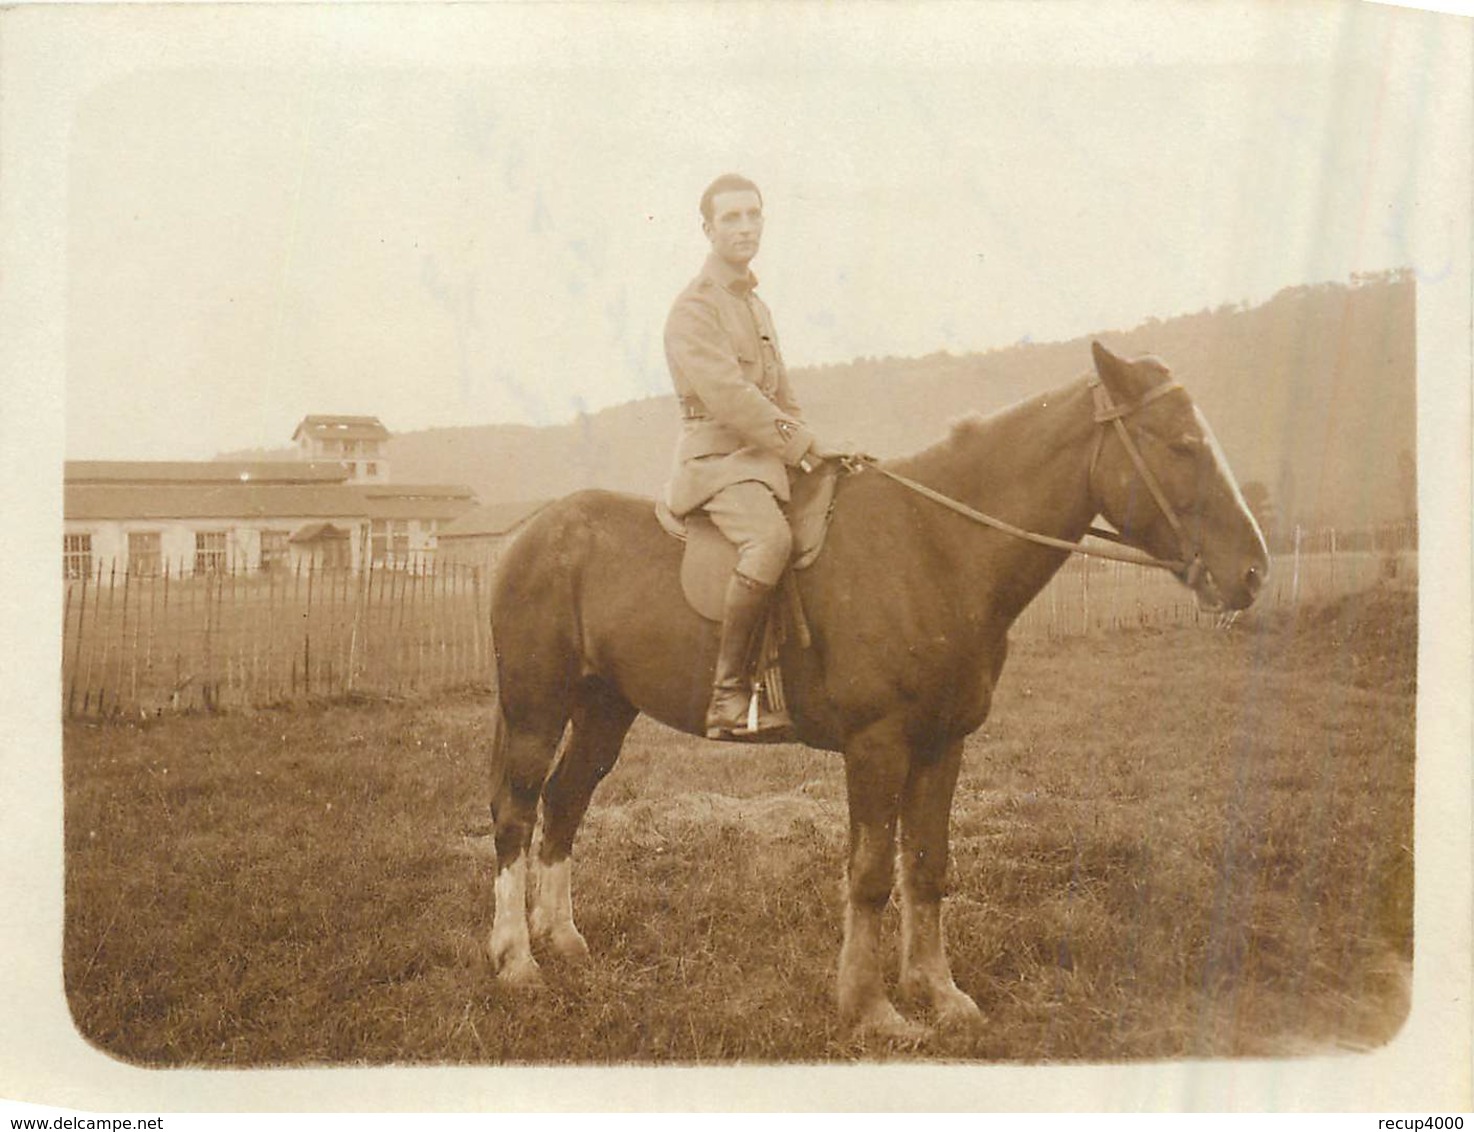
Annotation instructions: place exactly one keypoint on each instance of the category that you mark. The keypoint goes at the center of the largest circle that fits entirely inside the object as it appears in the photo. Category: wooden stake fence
(144, 644)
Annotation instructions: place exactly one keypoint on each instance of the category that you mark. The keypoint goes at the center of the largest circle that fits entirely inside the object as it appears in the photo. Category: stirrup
(757, 726)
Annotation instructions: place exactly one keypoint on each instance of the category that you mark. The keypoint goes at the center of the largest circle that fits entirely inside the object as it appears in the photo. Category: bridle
(1107, 412)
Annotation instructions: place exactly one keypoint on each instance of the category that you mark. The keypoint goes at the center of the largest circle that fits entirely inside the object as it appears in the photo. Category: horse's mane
(968, 429)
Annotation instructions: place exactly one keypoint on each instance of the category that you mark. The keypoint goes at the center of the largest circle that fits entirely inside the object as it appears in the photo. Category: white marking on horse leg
(862, 1000)
(552, 910)
(861, 990)
(511, 947)
(925, 970)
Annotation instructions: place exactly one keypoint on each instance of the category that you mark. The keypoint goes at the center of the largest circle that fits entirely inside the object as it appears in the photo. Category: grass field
(1169, 843)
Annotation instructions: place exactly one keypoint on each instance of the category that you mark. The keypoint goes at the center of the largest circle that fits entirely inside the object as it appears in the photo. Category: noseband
(1107, 412)
(1190, 565)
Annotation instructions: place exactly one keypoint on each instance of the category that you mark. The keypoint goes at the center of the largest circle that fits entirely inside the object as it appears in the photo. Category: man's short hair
(726, 183)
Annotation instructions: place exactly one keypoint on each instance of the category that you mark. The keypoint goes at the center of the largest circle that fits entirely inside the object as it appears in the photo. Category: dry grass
(1166, 844)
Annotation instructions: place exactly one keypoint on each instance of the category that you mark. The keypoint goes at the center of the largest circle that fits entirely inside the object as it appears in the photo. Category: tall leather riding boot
(742, 623)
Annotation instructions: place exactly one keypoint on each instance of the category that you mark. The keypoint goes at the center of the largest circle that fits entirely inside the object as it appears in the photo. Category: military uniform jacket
(741, 419)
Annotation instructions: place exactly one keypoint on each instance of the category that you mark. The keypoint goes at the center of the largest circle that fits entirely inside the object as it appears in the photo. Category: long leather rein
(1107, 412)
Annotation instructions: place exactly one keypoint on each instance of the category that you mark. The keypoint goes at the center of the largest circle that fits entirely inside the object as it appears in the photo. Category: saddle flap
(809, 512)
(709, 559)
(706, 566)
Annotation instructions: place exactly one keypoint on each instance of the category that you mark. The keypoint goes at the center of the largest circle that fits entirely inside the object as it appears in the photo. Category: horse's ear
(1119, 375)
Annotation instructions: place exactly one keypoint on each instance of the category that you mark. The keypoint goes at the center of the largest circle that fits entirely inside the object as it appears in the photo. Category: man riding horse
(742, 433)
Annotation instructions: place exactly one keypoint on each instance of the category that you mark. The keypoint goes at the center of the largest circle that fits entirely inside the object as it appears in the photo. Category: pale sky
(214, 220)
(454, 217)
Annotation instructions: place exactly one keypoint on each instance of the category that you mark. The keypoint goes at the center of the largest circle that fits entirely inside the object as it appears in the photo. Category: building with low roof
(478, 536)
(191, 517)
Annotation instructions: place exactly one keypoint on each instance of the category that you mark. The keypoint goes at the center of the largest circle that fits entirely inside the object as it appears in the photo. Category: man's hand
(845, 452)
(820, 451)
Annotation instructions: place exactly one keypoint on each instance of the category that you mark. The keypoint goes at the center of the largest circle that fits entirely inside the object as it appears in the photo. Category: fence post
(66, 621)
(416, 652)
(238, 629)
(1295, 573)
(153, 594)
(87, 674)
(253, 687)
(107, 636)
(207, 666)
(399, 648)
(270, 643)
(476, 619)
(77, 644)
(132, 659)
(353, 627)
(293, 614)
(307, 629)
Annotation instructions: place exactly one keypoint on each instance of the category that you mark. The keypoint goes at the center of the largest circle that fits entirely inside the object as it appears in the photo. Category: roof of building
(442, 502)
(319, 532)
(442, 510)
(259, 500)
(341, 427)
(203, 471)
(416, 491)
(492, 519)
(211, 501)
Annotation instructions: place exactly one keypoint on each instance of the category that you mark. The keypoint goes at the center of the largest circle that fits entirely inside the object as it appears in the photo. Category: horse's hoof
(957, 1011)
(568, 945)
(885, 1022)
(954, 1009)
(521, 974)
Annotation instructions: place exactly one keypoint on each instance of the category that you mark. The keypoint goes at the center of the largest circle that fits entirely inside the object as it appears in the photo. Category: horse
(908, 609)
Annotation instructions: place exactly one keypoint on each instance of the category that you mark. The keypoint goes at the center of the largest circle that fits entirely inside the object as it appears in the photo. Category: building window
(144, 557)
(274, 550)
(209, 552)
(76, 556)
(371, 469)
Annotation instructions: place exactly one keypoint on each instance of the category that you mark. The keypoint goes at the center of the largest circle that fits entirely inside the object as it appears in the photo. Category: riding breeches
(751, 519)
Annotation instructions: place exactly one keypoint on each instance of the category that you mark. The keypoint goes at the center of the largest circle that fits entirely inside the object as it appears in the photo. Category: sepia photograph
(818, 557)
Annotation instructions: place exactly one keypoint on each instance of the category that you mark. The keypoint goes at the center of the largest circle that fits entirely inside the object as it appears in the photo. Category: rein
(1106, 412)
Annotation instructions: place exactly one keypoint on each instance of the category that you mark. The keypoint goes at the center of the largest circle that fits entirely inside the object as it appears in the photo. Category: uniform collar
(720, 271)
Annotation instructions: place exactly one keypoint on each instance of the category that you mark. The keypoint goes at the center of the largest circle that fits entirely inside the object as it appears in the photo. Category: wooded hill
(1312, 395)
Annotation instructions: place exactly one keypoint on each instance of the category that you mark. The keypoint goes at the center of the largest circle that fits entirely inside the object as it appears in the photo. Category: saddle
(710, 558)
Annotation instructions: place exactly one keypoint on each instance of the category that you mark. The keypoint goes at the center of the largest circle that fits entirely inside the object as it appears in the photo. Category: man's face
(736, 226)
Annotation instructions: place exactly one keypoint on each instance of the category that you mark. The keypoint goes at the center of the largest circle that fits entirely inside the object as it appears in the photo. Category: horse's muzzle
(1215, 598)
